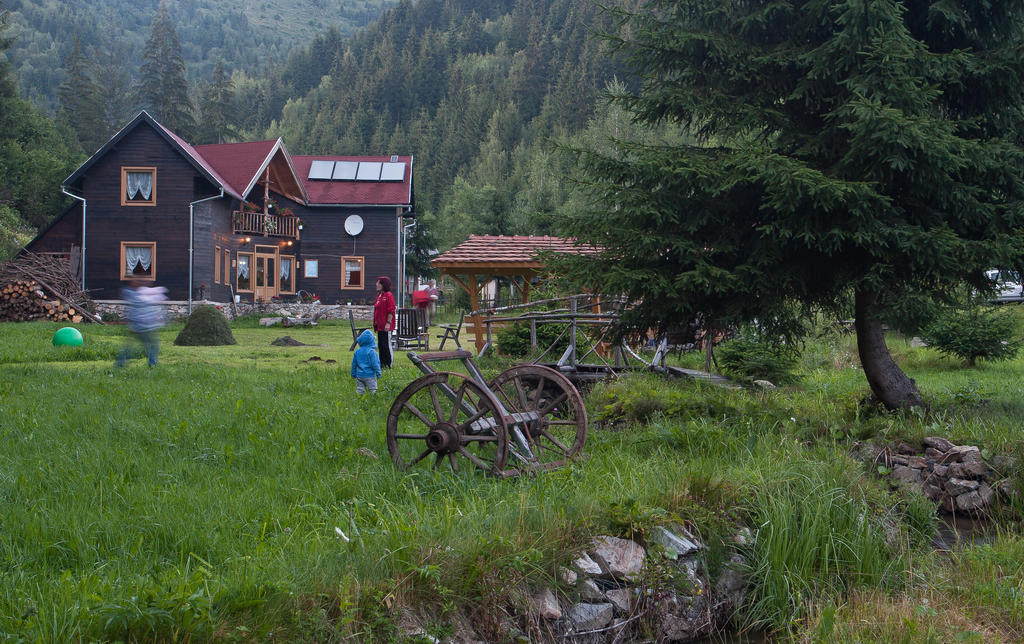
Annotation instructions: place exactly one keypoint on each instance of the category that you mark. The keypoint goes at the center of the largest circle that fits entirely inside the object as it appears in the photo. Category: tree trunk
(891, 386)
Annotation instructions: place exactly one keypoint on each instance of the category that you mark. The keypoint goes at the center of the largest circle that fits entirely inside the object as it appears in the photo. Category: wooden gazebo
(480, 258)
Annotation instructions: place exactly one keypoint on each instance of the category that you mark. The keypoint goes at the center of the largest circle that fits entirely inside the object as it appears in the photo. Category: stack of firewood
(42, 287)
(23, 301)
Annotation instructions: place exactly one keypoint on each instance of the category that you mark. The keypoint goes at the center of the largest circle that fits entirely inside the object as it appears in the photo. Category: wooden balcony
(258, 223)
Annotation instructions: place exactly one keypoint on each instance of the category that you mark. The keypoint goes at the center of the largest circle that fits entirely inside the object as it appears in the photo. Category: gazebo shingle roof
(503, 249)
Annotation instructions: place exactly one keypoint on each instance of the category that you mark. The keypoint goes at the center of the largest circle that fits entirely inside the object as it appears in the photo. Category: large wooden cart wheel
(445, 417)
(556, 428)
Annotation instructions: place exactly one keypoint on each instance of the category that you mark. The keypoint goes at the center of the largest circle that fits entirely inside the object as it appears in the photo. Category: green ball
(69, 336)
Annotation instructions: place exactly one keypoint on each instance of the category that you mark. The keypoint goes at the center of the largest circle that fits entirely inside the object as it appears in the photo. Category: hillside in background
(247, 35)
(476, 93)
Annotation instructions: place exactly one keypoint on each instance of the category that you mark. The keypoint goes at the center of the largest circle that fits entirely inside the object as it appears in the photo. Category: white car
(1008, 285)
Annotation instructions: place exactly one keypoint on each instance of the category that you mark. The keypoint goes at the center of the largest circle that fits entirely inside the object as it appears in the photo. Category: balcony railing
(258, 223)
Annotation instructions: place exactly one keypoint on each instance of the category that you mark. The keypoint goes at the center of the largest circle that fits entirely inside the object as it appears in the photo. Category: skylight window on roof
(321, 170)
(369, 171)
(392, 172)
(345, 170)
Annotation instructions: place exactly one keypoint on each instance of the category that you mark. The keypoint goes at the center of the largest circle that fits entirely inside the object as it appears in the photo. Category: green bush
(757, 359)
(973, 332)
(206, 327)
(514, 340)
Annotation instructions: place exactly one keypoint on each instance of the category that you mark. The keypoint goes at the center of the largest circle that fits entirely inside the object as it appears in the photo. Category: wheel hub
(443, 438)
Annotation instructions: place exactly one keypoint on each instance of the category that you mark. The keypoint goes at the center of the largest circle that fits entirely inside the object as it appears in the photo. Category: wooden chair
(356, 331)
(451, 332)
(411, 330)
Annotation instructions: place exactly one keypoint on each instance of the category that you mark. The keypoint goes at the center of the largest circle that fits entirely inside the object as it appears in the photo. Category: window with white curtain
(138, 260)
(287, 277)
(138, 186)
(244, 282)
(351, 272)
(312, 268)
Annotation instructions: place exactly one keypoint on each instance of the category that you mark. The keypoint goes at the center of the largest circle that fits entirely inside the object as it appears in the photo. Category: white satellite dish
(354, 225)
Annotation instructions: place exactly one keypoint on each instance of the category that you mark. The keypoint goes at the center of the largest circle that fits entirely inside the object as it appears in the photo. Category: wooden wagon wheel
(446, 415)
(559, 431)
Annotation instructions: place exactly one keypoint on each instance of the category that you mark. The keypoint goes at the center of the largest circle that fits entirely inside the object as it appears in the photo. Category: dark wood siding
(212, 230)
(108, 223)
(62, 234)
(324, 239)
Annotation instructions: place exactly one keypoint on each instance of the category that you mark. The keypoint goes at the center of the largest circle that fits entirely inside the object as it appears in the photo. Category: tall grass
(245, 492)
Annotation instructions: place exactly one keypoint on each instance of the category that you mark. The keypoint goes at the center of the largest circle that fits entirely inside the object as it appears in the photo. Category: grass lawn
(245, 493)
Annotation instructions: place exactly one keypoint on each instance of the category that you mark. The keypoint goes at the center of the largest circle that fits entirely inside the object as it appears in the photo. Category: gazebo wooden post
(474, 305)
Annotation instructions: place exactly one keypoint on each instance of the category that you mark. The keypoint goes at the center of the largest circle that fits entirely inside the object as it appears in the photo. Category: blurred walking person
(145, 315)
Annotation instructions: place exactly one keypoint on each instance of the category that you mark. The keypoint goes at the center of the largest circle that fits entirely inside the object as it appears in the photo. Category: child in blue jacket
(366, 364)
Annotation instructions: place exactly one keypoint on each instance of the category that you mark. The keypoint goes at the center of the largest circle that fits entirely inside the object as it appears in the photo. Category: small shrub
(757, 359)
(514, 340)
(973, 332)
(206, 327)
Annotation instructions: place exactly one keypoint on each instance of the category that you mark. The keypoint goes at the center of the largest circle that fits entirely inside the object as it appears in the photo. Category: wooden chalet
(246, 219)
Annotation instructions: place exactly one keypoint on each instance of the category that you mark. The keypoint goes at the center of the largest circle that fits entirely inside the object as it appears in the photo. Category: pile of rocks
(956, 477)
(617, 586)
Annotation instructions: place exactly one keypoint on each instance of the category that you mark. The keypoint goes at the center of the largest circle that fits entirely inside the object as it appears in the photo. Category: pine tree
(845, 151)
(217, 108)
(81, 99)
(163, 89)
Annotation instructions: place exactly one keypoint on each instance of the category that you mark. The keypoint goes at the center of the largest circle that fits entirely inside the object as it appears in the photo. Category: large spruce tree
(163, 88)
(858, 150)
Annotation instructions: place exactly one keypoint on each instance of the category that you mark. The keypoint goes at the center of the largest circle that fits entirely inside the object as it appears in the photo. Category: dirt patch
(288, 341)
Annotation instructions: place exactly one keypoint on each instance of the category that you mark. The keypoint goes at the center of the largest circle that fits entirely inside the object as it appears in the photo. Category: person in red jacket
(384, 319)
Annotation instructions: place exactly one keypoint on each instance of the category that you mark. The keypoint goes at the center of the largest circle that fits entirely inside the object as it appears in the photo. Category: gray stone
(904, 473)
(270, 321)
(956, 486)
(1004, 463)
(969, 470)
(903, 448)
(673, 543)
(933, 492)
(586, 566)
(947, 503)
(940, 471)
(986, 493)
(917, 462)
(917, 343)
(621, 598)
(961, 452)
(590, 591)
(587, 617)
(934, 454)
(619, 558)
(969, 501)
(1006, 488)
(939, 443)
(764, 384)
(567, 576)
(742, 537)
(898, 459)
(547, 604)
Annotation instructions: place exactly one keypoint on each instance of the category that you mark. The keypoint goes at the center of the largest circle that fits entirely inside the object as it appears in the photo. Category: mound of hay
(206, 327)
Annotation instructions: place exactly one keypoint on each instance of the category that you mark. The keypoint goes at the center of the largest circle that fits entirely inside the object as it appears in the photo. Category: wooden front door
(267, 263)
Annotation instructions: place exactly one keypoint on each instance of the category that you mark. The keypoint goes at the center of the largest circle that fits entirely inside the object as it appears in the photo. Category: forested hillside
(475, 91)
(246, 35)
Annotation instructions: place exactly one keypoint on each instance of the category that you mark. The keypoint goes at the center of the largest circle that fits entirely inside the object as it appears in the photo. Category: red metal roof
(238, 163)
(375, 193)
(501, 249)
(199, 158)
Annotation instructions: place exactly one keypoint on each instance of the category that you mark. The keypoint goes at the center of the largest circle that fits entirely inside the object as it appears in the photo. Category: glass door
(266, 284)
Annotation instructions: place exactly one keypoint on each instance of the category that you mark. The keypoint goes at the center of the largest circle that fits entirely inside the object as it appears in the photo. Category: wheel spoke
(453, 461)
(554, 403)
(479, 462)
(561, 446)
(436, 401)
(458, 403)
(418, 414)
(420, 457)
(438, 460)
(479, 438)
(480, 413)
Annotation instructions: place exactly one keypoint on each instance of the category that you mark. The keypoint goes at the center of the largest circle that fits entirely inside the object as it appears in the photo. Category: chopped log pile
(42, 287)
